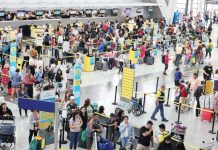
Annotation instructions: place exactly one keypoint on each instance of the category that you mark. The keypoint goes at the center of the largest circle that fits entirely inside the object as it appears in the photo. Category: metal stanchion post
(179, 112)
(212, 130)
(136, 89)
(115, 97)
(168, 97)
(157, 85)
(60, 138)
(63, 125)
(143, 107)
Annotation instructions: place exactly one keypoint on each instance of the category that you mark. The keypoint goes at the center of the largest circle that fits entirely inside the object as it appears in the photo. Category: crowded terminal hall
(109, 75)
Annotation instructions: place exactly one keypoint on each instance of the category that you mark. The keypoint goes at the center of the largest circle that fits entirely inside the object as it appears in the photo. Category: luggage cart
(7, 132)
(178, 131)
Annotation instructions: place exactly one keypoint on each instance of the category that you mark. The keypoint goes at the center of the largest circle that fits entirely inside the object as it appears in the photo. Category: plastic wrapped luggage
(105, 66)
(209, 87)
(150, 60)
(41, 141)
(206, 115)
(178, 131)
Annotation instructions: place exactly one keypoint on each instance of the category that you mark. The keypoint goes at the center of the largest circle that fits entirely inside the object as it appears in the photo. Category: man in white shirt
(78, 60)
(39, 44)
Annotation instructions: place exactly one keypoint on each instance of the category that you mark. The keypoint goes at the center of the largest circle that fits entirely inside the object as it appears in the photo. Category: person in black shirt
(5, 111)
(166, 144)
(208, 71)
(146, 136)
(197, 94)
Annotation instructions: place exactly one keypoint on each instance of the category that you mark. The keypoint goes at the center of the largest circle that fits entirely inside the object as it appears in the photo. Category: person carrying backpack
(15, 83)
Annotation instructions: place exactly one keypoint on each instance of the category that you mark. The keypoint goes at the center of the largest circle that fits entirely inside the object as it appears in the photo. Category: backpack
(163, 59)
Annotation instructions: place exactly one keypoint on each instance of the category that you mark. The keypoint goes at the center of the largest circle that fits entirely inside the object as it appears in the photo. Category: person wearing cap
(197, 94)
(162, 134)
(159, 104)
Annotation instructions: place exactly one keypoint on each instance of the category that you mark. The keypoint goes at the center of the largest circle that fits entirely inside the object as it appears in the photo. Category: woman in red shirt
(183, 93)
(142, 53)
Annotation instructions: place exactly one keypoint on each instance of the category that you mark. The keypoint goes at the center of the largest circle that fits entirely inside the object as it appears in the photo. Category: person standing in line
(75, 127)
(39, 44)
(197, 94)
(178, 55)
(122, 59)
(146, 136)
(177, 77)
(26, 56)
(22, 93)
(78, 60)
(194, 82)
(15, 83)
(127, 133)
(216, 80)
(209, 48)
(33, 123)
(166, 62)
(29, 80)
(162, 134)
(160, 104)
(111, 59)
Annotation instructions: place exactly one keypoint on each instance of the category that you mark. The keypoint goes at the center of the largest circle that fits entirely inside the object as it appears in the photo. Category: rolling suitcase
(206, 115)
(105, 66)
(209, 87)
(34, 145)
(41, 141)
(150, 60)
(99, 65)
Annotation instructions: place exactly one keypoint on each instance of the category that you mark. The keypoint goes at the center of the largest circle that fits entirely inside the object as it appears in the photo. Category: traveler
(166, 144)
(15, 83)
(75, 128)
(26, 56)
(29, 80)
(89, 108)
(166, 62)
(183, 93)
(159, 104)
(177, 77)
(5, 111)
(84, 117)
(178, 55)
(5, 77)
(146, 136)
(39, 75)
(216, 80)
(33, 124)
(101, 110)
(122, 59)
(197, 94)
(92, 127)
(22, 94)
(208, 71)
(58, 80)
(33, 52)
(193, 82)
(127, 134)
(163, 133)
(78, 60)
(39, 44)
(209, 48)
(32, 65)
(111, 56)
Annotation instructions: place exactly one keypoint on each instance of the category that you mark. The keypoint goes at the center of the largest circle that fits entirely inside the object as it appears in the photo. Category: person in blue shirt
(39, 75)
(177, 77)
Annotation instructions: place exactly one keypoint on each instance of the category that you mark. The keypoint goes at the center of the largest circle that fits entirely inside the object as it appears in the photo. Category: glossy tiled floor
(100, 86)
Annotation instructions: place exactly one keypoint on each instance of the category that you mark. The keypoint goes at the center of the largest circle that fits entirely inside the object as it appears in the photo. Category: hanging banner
(13, 59)
(46, 123)
(76, 84)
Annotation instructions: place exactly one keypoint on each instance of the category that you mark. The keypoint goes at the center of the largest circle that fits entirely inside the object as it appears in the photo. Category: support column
(186, 7)
(191, 5)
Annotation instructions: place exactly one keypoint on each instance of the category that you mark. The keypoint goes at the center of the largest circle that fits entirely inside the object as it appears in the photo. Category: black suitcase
(150, 60)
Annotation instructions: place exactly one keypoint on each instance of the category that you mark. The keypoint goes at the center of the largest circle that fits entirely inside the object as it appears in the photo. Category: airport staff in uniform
(160, 104)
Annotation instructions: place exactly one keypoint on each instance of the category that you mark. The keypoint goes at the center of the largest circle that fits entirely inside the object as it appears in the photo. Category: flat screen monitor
(115, 11)
(39, 13)
(2, 13)
(57, 12)
(88, 12)
(102, 11)
(94, 11)
(20, 13)
(73, 12)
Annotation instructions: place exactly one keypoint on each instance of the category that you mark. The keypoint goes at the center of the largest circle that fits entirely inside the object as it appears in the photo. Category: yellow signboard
(127, 84)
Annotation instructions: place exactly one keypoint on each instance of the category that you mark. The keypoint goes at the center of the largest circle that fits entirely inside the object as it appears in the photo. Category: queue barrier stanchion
(157, 85)
(212, 129)
(143, 106)
(62, 138)
(197, 72)
(115, 97)
(168, 97)
(179, 112)
(136, 89)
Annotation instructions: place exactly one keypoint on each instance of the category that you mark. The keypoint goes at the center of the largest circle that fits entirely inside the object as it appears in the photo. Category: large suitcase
(41, 141)
(209, 87)
(206, 115)
(99, 65)
(34, 145)
(105, 66)
(105, 144)
(150, 60)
